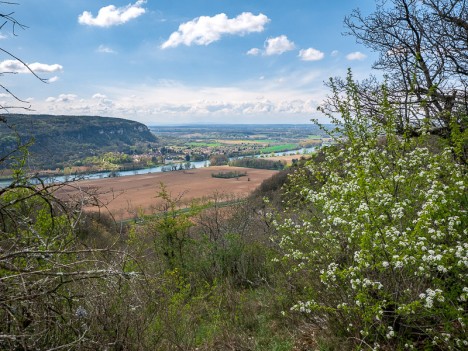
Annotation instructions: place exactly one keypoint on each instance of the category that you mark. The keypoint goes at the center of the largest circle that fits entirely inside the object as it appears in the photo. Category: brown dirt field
(126, 196)
(287, 158)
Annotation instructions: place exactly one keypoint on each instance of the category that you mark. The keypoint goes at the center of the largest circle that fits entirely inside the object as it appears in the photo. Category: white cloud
(111, 15)
(16, 66)
(259, 100)
(254, 52)
(204, 30)
(278, 45)
(45, 68)
(53, 79)
(99, 96)
(311, 54)
(335, 53)
(62, 98)
(286, 96)
(353, 56)
(105, 50)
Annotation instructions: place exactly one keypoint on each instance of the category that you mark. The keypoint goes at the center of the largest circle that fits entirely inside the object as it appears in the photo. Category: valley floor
(130, 196)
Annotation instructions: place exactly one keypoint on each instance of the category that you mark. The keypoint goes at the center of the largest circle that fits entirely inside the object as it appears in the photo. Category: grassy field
(279, 148)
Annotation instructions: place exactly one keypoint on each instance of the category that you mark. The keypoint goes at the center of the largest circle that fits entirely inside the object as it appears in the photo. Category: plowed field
(125, 197)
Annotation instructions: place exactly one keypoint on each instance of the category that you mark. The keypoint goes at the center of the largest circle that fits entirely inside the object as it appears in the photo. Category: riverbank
(289, 155)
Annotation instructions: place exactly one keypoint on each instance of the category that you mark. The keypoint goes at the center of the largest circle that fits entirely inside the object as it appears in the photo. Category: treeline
(177, 167)
(259, 163)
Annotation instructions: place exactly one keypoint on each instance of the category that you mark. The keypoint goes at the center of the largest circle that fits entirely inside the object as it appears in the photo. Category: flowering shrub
(378, 230)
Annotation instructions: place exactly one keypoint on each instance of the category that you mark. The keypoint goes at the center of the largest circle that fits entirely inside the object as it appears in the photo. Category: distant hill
(61, 140)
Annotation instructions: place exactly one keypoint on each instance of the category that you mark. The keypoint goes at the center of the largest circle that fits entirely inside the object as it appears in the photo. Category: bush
(227, 175)
(378, 238)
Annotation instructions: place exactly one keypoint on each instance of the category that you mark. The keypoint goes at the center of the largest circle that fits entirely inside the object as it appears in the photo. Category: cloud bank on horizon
(185, 62)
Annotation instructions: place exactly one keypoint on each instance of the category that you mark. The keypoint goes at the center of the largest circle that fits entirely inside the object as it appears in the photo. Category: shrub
(378, 238)
(227, 175)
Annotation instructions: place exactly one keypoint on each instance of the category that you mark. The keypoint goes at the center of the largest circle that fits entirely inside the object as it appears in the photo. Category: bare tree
(423, 53)
(9, 20)
(43, 264)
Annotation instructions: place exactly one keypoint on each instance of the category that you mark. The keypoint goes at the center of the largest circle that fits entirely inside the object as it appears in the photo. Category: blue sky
(175, 62)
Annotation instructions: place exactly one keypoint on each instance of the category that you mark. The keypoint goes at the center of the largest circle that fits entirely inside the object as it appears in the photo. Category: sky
(164, 62)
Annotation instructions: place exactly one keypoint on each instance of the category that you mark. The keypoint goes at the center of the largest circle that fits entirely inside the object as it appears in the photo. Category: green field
(280, 148)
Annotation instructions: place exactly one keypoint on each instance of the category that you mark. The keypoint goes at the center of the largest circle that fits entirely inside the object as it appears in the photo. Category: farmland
(199, 142)
(133, 196)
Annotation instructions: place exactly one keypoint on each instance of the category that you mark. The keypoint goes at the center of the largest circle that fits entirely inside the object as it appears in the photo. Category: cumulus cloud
(62, 98)
(45, 68)
(204, 30)
(311, 54)
(111, 15)
(15, 66)
(53, 79)
(102, 103)
(254, 52)
(353, 56)
(105, 50)
(99, 96)
(278, 45)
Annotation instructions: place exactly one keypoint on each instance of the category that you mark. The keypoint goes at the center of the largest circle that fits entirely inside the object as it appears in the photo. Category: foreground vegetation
(364, 246)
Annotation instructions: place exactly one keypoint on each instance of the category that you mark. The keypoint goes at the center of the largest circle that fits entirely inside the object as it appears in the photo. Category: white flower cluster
(375, 224)
(357, 284)
(430, 295)
(304, 307)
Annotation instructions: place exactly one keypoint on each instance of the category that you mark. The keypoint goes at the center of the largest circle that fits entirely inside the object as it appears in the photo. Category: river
(195, 164)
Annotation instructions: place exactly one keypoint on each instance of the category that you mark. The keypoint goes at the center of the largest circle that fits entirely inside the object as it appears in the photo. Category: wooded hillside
(58, 141)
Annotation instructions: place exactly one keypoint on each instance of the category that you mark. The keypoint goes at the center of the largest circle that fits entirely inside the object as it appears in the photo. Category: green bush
(227, 175)
(378, 237)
